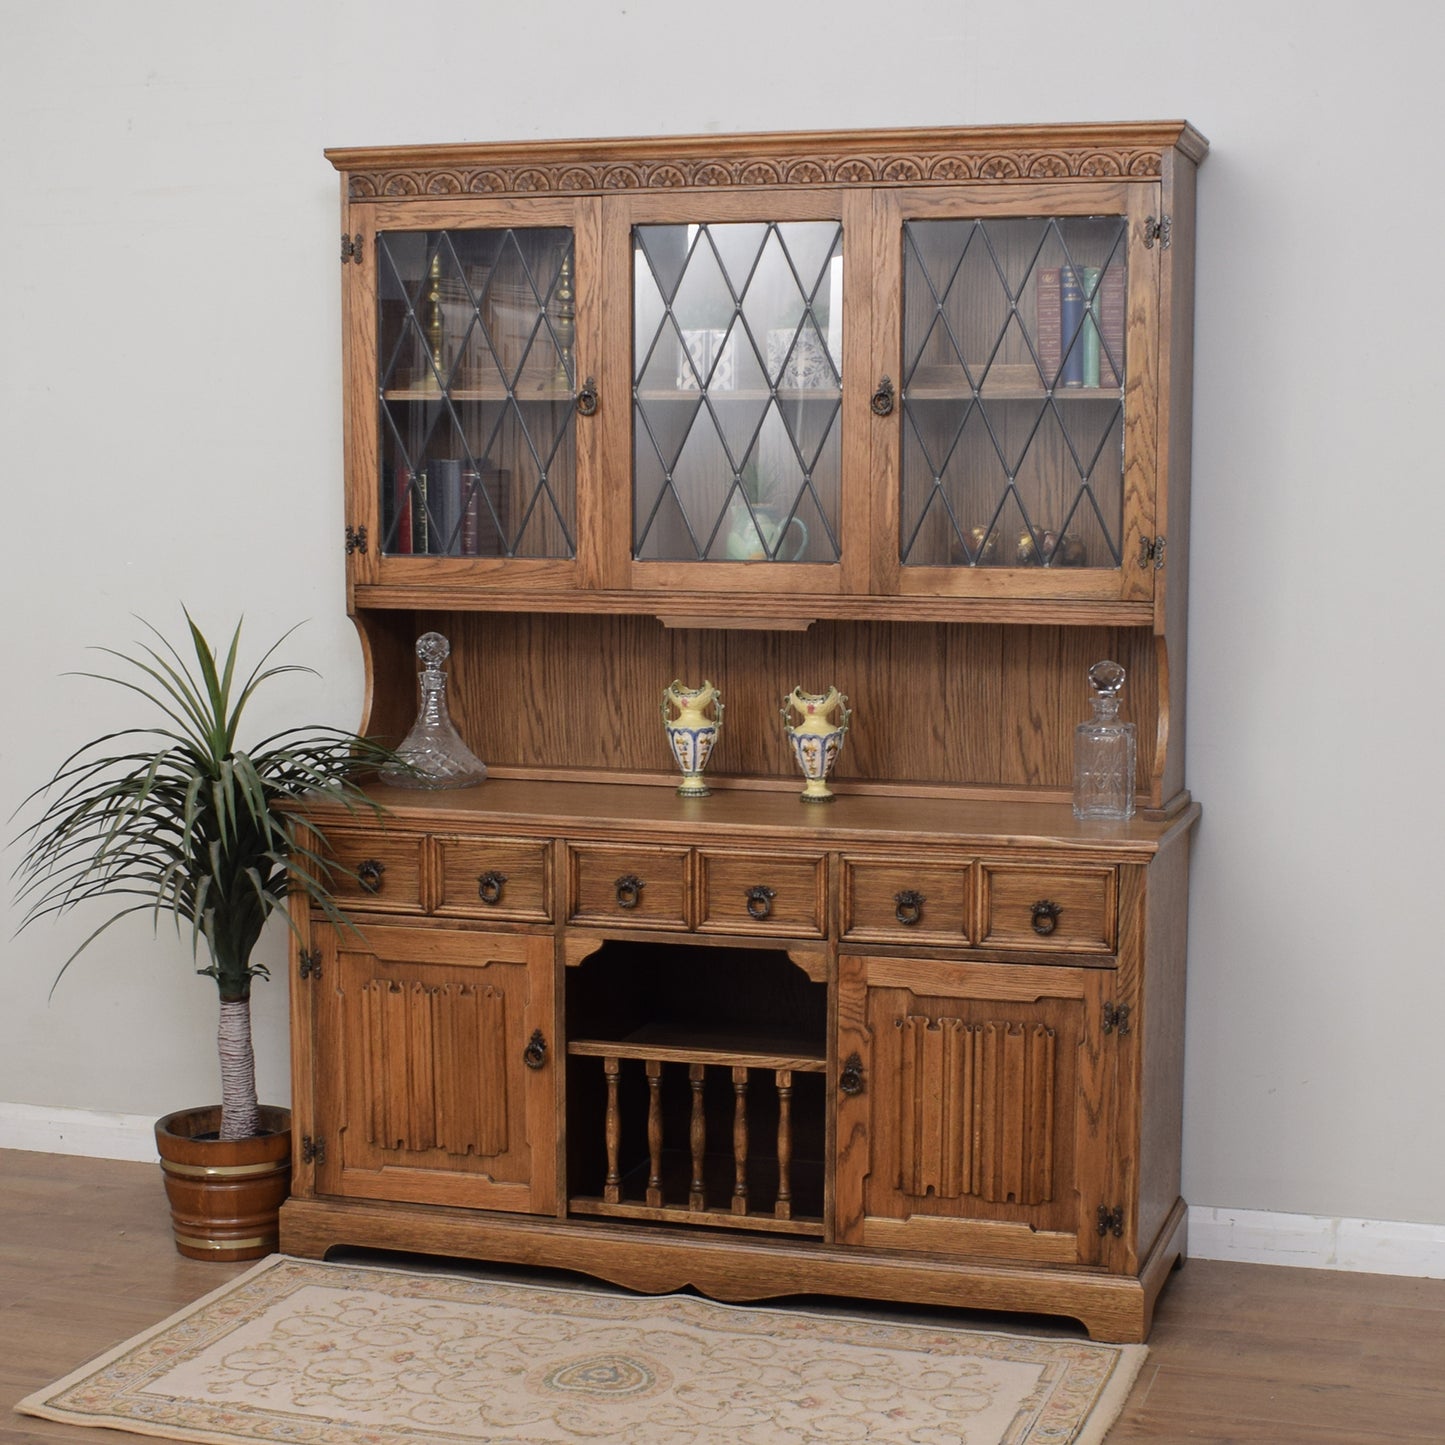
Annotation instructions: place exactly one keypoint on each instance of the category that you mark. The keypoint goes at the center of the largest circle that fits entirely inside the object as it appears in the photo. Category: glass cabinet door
(737, 392)
(1016, 351)
(475, 335)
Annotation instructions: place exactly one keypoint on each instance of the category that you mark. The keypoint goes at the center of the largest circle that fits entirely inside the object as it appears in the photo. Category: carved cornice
(711, 163)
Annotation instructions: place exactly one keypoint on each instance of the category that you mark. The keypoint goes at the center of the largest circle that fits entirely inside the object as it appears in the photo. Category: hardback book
(1089, 337)
(1047, 331)
(1071, 324)
(444, 503)
(1110, 309)
(396, 509)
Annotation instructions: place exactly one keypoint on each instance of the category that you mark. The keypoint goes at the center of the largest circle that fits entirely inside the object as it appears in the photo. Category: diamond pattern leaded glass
(737, 391)
(1013, 371)
(475, 332)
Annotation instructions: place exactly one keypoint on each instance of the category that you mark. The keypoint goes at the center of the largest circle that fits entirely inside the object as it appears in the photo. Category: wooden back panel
(947, 705)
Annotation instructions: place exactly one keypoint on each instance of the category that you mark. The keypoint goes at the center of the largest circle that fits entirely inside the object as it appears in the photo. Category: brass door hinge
(351, 249)
(1116, 1018)
(310, 964)
(1151, 549)
(1154, 230)
(355, 540)
(313, 1151)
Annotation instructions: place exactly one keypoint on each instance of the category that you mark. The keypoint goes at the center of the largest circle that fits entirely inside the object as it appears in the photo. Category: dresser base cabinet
(744, 1100)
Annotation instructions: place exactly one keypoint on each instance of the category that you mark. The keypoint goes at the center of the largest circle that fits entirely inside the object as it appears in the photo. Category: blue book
(1071, 324)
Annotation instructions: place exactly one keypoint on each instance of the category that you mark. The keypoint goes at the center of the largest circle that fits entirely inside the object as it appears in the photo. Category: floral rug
(310, 1354)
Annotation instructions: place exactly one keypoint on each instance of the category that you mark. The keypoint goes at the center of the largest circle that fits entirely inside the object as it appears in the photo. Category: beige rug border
(1092, 1429)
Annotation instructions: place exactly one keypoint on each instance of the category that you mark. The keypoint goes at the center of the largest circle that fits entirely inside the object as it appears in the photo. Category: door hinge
(1111, 1221)
(351, 248)
(1151, 549)
(310, 965)
(313, 1151)
(1116, 1018)
(1154, 230)
(355, 540)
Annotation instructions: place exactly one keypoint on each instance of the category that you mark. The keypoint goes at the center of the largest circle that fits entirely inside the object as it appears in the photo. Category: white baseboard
(48, 1130)
(1251, 1236)
(1310, 1241)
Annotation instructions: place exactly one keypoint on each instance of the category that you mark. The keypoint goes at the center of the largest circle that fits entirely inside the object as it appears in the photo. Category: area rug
(310, 1354)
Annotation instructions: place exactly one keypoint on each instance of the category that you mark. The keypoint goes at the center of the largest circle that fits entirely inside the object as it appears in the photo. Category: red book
(1048, 324)
(401, 543)
(1110, 308)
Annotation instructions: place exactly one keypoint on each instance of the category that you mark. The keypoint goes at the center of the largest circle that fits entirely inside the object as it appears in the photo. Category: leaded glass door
(738, 419)
(471, 335)
(1026, 346)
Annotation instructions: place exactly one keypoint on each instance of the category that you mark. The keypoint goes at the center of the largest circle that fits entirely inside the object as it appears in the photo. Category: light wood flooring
(1239, 1353)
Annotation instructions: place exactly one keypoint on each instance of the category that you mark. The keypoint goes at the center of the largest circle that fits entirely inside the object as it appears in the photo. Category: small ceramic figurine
(817, 736)
(691, 733)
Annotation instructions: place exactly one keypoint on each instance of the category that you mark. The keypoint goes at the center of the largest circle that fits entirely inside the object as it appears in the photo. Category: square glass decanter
(1104, 751)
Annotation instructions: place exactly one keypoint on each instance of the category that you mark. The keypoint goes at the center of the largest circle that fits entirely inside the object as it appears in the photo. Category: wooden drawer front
(378, 872)
(902, 901)
(1045, 907)
(507, 879)
(762, 893)
(636, 887)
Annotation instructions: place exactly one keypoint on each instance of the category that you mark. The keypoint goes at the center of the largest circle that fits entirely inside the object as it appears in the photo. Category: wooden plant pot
(225, 1195)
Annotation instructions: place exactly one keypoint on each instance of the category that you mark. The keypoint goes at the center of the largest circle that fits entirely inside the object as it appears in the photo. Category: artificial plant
(177, 817)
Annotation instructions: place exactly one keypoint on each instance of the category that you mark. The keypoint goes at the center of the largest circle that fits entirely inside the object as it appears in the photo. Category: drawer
(762, 893)
(1047, 907)
(506, 879)
(634, 886)
(898, 900)
(380, 872)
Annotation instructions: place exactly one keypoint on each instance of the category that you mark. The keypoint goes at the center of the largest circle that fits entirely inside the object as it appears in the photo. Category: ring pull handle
(1045, 917)
(882, 400)
(908, 908)
(368, 874)
(489, 886)
(760, 901)
(629, 890)
(587, 399)
(535, 1054)
(850, 1081)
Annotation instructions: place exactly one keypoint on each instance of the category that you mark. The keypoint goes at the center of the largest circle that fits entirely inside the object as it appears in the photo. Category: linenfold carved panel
(976, 1107)
(821, 169)
(438, 1040)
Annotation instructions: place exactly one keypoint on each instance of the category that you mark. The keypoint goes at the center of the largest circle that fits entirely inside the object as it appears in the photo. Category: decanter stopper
(1104, 751)
(433, 751)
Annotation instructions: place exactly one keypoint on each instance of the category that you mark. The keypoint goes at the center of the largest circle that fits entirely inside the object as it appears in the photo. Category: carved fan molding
(907, 157)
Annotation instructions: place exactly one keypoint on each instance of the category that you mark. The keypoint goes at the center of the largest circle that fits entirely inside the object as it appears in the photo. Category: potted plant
(178, 817)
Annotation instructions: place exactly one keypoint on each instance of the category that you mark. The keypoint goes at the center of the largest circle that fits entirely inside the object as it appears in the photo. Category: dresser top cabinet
(632, 370)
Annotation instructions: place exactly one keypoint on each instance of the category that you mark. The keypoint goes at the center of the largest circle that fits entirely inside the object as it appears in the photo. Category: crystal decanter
(1104, 750)
(433, 752)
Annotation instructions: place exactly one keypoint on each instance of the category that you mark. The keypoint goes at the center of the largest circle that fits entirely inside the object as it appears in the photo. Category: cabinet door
(470, 332)
(432, 1072)
(976, 1110)
(1020, 451)
(748, 452)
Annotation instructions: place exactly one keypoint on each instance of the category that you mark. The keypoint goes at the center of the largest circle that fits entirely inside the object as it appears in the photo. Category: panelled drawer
(504, 879)
(377, 871)
(632, 885)
(901, 900)
(758, 893)
(1046, 907)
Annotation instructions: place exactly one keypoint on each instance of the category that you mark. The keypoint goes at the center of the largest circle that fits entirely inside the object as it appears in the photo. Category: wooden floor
(1240, 1353)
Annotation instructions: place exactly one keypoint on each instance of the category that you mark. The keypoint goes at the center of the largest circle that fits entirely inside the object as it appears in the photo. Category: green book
(1089, 341)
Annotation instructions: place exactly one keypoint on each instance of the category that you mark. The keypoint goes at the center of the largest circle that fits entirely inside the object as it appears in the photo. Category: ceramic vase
(816, 724)
(691, 731)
